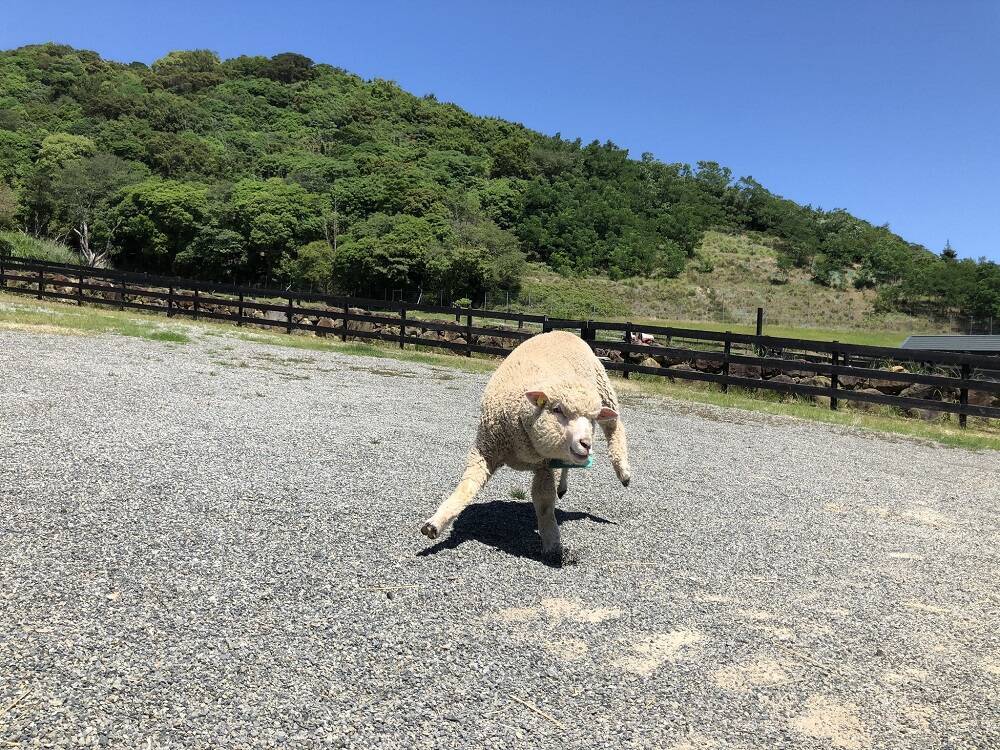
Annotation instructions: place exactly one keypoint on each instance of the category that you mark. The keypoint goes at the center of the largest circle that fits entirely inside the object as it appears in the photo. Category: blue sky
(888, 109)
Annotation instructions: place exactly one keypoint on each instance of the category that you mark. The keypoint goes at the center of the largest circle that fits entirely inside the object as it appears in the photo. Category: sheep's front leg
(477, 473)
(543, 496)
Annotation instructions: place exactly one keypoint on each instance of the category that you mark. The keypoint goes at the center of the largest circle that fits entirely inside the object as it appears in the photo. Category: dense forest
(280, 170)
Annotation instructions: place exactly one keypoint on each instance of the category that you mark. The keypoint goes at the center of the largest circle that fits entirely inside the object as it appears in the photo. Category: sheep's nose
(585, 444)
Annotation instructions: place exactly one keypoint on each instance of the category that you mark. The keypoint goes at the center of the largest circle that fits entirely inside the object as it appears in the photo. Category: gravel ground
(215, 545)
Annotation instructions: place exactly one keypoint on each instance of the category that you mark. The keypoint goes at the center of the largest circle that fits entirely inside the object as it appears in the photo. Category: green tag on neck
(555, 463)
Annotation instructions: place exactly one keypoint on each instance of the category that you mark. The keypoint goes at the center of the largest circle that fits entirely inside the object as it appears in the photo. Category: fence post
(170, 301)
(79, 290)
(760, 321)
(545, 324)
(196, 303)
(41, 278)
(122, 301)
(468, 333)
(402, 324)
(625, 355)
(834, 379)
(343, 329)
(963, 394)
(520, 320)
(288, 316)
(726, 350)
(239, 322)
(589, 334)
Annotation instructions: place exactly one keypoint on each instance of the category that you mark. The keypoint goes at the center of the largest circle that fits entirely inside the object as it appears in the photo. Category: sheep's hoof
(560, 493)
(559, 556)
(429, 530)
(626, 479)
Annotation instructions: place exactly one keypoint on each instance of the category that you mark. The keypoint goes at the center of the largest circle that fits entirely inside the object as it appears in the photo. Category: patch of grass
(19, 313)
(865, 337)
(518, 494)
(547, 293)
(175, 337)
(21, 245)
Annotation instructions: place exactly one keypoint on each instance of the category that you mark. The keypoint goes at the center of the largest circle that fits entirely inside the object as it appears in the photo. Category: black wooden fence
(725, 358)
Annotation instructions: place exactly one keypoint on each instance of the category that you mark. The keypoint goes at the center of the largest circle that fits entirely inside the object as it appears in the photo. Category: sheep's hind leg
(563, 482)
(614, 430)
(614, 433)
(477, 473)
(543, 496)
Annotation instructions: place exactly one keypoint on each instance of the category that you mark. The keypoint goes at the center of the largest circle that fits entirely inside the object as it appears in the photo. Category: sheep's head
(561, 424)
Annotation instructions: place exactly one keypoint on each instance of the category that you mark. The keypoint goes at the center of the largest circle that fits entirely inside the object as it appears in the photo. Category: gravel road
(215, 545)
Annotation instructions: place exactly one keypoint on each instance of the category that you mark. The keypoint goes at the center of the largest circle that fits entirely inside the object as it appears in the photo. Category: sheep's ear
(607, 414)
(537, 398)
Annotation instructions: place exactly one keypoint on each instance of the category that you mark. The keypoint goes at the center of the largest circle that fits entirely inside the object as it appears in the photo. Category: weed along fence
(832, 374)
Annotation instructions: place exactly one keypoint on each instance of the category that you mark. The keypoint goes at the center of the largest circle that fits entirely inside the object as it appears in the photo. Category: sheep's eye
(557, 410)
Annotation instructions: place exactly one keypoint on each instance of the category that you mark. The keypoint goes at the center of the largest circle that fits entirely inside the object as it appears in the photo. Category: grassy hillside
(730, 276)
(281, 171)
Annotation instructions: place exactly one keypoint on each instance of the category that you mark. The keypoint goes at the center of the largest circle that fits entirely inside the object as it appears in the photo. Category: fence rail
(725, 358)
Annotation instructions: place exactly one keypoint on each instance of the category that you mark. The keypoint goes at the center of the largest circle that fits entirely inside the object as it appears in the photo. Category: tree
(288, 67)
(8, 206)
(274, 218)
(82, 192)
(310, 268)
(158, 219)
(188, 71)
(213, 254)
(949, 252)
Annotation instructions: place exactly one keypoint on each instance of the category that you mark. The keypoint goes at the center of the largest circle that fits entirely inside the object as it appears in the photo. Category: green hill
(279, 170)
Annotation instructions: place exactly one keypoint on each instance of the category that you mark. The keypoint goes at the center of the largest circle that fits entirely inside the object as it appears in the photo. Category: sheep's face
(561, 425)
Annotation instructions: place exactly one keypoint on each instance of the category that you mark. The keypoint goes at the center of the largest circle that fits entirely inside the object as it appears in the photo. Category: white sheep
(540, 406)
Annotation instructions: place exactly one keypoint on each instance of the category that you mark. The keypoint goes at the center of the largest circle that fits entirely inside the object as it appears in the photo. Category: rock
(851, 381)
(897, 368)
(323, 326)
(708, 365)
(669, 361)
(886, 386)
(921, 390)
(782, 378)
(981, 398)
(359, 325)
(649, 362)
(818, 381)
(866, 405)
(798, 373)
(681, 366)
(738, 370)
(926, 414)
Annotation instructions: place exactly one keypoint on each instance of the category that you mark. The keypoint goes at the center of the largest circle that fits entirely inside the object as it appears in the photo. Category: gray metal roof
(985, 344)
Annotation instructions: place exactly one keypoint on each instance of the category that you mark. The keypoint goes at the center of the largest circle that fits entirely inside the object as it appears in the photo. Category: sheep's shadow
(509, 527)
